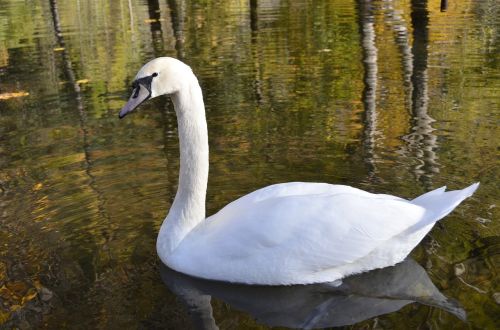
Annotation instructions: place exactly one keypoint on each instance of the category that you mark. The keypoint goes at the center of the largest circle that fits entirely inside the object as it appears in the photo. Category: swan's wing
(302, 189)
(286, 236)
(291, 189)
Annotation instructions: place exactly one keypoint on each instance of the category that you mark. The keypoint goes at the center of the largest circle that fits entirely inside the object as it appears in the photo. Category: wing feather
(277, 232)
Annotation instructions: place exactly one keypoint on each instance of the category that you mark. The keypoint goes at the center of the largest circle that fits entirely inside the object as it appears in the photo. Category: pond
(396, 97)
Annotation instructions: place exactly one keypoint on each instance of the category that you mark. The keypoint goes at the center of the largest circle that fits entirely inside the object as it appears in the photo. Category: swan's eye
(136, 90)
(155, 74)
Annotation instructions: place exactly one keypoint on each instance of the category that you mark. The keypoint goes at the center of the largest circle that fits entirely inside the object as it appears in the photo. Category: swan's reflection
(358, 298)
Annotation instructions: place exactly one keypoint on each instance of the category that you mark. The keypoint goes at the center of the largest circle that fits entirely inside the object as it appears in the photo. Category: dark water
(388, 96)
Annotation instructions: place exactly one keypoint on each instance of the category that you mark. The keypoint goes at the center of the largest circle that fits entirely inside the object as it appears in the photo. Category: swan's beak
(139, 95)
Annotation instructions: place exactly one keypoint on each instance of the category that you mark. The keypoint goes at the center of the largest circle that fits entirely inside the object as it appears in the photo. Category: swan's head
(163, 75)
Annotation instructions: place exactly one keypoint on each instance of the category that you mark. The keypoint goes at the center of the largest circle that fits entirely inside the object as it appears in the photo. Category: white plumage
(307, 233)
(289, 233)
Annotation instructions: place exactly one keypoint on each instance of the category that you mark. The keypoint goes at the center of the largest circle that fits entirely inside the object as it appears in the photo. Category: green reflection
(290, 96)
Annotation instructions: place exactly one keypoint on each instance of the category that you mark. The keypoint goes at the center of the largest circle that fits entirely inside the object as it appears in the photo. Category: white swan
(289, 233)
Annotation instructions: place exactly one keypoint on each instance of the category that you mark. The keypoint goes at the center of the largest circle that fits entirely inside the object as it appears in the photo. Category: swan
(283, 234)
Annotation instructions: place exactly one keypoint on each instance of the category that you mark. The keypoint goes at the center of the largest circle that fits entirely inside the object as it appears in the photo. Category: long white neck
(188, 208)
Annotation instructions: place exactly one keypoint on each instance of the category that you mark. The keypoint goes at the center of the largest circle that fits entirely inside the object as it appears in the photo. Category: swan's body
(289, 233)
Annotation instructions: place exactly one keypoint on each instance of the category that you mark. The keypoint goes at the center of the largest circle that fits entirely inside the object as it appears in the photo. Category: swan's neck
(188, 208)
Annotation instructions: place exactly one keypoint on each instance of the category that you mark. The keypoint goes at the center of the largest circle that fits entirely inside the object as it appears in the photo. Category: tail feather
(439, 203)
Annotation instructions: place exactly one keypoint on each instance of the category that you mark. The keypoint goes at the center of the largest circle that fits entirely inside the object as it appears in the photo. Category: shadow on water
(358, 298)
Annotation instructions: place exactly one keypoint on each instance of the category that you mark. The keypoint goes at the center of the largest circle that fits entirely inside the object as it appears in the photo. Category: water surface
(389, 96)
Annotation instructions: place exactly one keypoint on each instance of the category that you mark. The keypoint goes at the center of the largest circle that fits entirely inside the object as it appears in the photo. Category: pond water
(394, 97)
